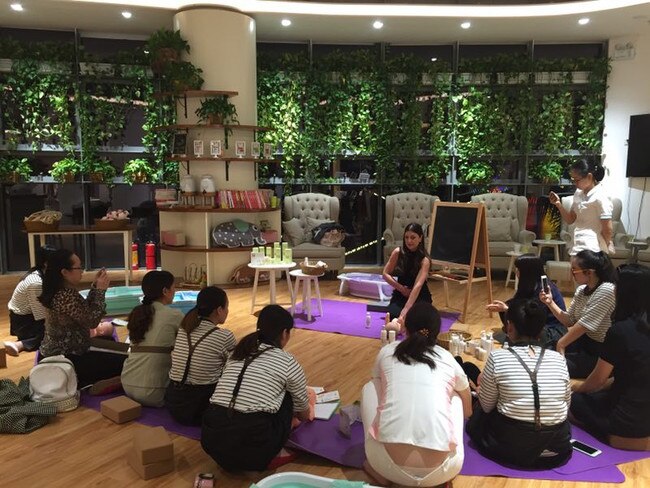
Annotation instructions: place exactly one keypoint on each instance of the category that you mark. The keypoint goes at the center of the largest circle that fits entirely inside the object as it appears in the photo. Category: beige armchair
(303, 212)
(401, 210)
(622, 252)
(506, 222)
(644, 255)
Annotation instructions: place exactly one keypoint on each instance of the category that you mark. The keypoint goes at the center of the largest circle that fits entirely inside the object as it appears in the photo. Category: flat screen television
(638, 146)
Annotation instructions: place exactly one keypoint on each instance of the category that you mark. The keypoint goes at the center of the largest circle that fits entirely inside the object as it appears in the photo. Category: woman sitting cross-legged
(530, 269)
(590, 313)
(260, 391)
(199, 355)
(152, 331)
(524, 394)
(621, 408)
(413, 408)
(72, 320)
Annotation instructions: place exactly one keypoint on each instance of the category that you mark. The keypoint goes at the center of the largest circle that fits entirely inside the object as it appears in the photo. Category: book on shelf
(244, 199)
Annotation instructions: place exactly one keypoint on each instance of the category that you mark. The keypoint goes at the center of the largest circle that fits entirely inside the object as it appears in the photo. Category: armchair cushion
(294, 231)
(499, 229)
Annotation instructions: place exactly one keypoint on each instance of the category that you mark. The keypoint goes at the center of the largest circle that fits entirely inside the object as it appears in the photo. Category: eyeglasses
(75, 267)
(578, 180)
(578, 271)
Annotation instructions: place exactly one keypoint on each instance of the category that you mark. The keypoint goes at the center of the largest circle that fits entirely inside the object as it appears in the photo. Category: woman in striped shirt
(524, 394)
(199, 356)
(26, 313)
(262, 388)
(590, 313)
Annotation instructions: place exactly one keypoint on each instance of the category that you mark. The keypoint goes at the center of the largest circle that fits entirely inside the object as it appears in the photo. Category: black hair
(528, 316)
(632, 285)
(271, 323)
(140, 318)
(53, 280)
(599, 262)
(585, 166)
(43, 253)
(208, 300)
(422, 322)
(409, 261)
(531, 269)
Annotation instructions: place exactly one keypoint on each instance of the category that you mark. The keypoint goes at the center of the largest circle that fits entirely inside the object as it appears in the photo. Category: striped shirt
(594, 311)
(209, 357)
(266, 380)
(24, 300)
(506, 385)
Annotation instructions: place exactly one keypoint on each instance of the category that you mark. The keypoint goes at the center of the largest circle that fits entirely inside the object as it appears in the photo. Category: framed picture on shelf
(255, 149)
(268, 150)
(198, 148)
(179, 144)
(240, 149)
(215, 148)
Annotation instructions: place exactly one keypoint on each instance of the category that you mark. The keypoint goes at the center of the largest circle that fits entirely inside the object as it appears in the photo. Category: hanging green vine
(590, 122)
(554, 123)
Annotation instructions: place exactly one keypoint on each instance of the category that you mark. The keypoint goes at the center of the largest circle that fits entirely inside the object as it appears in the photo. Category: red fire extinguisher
(150, 252)
(135, 262)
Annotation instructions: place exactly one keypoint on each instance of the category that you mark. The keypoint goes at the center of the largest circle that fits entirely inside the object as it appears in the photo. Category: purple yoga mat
(150, 416)
(349, 318)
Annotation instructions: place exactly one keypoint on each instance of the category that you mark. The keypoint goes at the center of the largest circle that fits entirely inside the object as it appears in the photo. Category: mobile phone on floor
(545, 285)
(584, 448)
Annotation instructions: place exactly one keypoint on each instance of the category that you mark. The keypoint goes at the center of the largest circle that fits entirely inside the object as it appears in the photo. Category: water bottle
(368, 320)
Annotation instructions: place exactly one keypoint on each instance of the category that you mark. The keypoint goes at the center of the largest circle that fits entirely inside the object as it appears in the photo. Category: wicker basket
(312, 269)
(444, 338)
(111, 224)
(38, 226)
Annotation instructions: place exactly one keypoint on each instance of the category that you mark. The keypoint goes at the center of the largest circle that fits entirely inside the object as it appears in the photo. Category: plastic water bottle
(368, 320)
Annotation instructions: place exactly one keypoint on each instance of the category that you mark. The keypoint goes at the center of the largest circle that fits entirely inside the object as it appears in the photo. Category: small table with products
(272, 268)
(553, 243)
(306, 280)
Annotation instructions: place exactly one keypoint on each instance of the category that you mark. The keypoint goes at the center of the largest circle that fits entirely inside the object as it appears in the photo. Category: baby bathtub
(365, 285)
(293, 479)
(120, 300)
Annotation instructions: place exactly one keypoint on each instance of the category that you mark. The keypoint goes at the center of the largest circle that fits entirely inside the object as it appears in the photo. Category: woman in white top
(152, 332)
(524, 395)
(413, 408)
(199, 355)
(26, 313)
(591, 211)
(590, 314)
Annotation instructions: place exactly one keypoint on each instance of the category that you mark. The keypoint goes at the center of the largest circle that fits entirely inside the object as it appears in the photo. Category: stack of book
(248, 199)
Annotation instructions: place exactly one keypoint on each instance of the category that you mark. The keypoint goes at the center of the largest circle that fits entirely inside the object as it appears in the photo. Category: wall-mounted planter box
(432, 79)
(581, 77)
(5, 65)
(550, 78)
(512, 78)
(474, 78)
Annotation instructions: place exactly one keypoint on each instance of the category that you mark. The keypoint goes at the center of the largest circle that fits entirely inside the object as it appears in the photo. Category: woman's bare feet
(13, 348)
(374, 474)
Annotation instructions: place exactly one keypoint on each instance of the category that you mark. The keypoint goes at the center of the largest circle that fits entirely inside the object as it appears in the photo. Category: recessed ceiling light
(466, 25)
(434, 60)
(126, 14)
(285, 22)
(583, 21)
(377, 24)
(17, 7)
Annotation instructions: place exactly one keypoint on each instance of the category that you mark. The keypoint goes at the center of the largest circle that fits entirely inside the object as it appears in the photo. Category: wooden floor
(82, 448)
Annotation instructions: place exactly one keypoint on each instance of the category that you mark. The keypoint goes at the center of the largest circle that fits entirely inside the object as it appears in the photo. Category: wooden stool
(630, 443)
(306, 281)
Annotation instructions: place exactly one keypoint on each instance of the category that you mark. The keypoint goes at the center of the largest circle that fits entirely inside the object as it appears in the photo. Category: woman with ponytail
(199, 356)
(262, 388)
(413, 408)
(152, 331)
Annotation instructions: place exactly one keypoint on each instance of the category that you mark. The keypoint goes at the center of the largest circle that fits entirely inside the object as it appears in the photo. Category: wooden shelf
(218, 210)
(233, 159)
(165, 247)
(212, 126)
(196, 94)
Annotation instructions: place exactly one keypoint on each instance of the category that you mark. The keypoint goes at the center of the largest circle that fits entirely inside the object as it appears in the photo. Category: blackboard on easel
(458, 245)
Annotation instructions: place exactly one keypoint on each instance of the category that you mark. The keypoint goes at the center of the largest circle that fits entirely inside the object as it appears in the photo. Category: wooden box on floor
(121, 409)
(152, 454)
(3, 358)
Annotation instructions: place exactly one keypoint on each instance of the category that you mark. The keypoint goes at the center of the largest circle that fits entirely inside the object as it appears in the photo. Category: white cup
(517, 247)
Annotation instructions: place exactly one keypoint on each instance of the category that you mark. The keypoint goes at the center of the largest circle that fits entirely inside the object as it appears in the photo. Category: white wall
(628, 94)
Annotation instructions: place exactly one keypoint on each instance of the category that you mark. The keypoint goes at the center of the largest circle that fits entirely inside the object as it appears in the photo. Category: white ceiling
(98, 17)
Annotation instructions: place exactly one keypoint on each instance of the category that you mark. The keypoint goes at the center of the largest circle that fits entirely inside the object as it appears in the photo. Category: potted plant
(165, 46)
(99, 170)
(138, 171)
(547, 171)
(65, 170)
(14, 170)
(182, 76)
(476, 173)
(217, 110)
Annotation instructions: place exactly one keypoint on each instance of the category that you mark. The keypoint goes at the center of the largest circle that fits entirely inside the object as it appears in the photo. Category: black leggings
(28, 330)
(246, 441)
(93, 366)
(581, 356)
(187, 403)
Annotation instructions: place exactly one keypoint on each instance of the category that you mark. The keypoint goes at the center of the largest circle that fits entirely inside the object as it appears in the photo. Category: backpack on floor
(54, 381)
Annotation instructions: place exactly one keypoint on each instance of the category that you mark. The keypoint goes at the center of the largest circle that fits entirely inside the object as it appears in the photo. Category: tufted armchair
(644, 254)
(506, 223)
(303, 212)
(401, 210)
(620, 237)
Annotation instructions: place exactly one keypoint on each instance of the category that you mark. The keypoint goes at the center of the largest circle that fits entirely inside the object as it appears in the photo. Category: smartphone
(584, 448)
(545, 285)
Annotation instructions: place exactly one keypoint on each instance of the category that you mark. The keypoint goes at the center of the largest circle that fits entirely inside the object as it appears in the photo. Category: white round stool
(306, 281)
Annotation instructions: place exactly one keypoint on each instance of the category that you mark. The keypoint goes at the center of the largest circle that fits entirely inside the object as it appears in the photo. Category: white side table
(636, 247)
(272, 269)
(554, 243)
(306, 281)
(513, 256)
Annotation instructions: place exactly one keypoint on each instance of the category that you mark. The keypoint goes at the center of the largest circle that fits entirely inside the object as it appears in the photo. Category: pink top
(415, 401)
